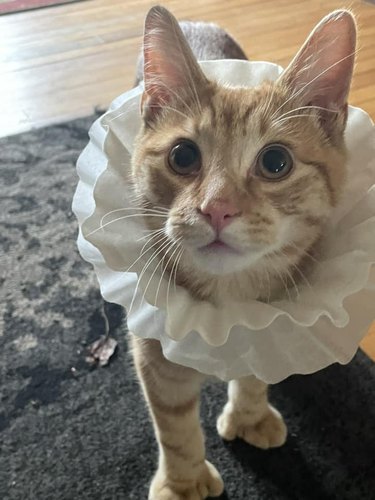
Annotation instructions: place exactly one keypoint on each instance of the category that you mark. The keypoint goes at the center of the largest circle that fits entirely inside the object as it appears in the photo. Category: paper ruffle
(324, 324)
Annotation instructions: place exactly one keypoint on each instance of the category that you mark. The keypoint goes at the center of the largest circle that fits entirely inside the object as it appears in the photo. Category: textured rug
(9, 6)
(71, 431)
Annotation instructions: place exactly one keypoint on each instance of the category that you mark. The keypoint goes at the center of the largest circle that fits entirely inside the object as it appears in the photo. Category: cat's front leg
(172, 393)
(249, 416)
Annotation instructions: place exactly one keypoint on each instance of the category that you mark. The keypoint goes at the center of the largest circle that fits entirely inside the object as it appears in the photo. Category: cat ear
(171, 72)
(321, 72)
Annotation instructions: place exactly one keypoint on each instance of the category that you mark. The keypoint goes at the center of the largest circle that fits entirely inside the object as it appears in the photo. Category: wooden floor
(60, 63)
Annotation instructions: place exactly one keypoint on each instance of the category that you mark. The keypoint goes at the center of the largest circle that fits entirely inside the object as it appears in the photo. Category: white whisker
(269, 258)
(151, 233)
(304, 252)
(145, 267)
(184, 115)
(335, 111)
(177, 244)
(268, 102)
(128, 108)
(143, 253)
(302, 89)
(147, 210)
(290, 276)
(171, 273)
(122, 218)
(277, 122)
(178, 259)
(188, 73)
(169, 248)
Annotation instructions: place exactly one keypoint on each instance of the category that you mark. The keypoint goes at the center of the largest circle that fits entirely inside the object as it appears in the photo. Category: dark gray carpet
(84, 433)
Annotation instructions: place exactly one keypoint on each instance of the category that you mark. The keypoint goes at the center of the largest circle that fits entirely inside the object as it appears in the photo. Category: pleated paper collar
(324, 324)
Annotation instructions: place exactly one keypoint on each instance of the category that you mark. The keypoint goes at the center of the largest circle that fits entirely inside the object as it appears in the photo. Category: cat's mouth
(219, 258)
(219, 247)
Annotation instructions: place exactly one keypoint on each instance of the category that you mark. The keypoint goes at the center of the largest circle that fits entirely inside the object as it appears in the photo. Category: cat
(247, 179)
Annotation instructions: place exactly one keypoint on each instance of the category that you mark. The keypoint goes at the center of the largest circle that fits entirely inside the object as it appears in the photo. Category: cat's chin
(220, 259)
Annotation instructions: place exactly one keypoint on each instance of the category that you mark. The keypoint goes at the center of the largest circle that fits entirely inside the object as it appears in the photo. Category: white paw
(269, 432)
(207, 484)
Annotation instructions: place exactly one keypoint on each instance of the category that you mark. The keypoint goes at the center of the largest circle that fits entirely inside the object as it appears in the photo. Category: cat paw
(207, 484)
(269, 432)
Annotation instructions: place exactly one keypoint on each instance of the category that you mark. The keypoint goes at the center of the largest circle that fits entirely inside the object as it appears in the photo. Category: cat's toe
(227, 425)
(211, 483)
(269, 432)
(207, 484)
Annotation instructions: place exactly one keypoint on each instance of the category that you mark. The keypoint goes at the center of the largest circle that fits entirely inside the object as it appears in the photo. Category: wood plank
(368, 343)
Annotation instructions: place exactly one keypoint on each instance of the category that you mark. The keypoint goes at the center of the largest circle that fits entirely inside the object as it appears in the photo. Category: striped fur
(277, 231)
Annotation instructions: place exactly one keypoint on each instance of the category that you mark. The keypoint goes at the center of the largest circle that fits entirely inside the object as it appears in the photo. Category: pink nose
(219, 213)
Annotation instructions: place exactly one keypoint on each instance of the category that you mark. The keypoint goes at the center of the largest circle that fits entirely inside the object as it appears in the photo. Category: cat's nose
(219, 213)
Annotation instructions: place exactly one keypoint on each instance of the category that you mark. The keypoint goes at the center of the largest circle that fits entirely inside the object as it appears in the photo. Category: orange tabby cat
(247, 179)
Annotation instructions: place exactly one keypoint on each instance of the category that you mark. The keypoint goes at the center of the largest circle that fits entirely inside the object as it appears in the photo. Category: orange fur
(303, 201)
(275, 231)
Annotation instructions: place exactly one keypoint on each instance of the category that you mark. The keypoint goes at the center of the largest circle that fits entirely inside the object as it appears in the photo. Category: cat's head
(247, 175)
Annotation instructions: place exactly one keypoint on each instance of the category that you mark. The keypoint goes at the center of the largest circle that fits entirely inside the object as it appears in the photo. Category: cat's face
(246, 178)
(240, 184)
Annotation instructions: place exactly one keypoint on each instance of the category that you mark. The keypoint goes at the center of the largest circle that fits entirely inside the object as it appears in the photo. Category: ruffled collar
(324, 324)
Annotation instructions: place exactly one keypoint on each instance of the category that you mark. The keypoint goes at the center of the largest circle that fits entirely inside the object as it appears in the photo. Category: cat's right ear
(322, 70)
(171, 72)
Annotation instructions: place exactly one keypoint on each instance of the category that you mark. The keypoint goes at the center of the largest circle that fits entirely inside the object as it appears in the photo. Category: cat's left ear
(322, 70)
(171, 72)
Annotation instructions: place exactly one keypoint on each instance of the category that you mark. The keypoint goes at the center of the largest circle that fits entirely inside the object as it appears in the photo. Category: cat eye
(185, 158)
(274, 162)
